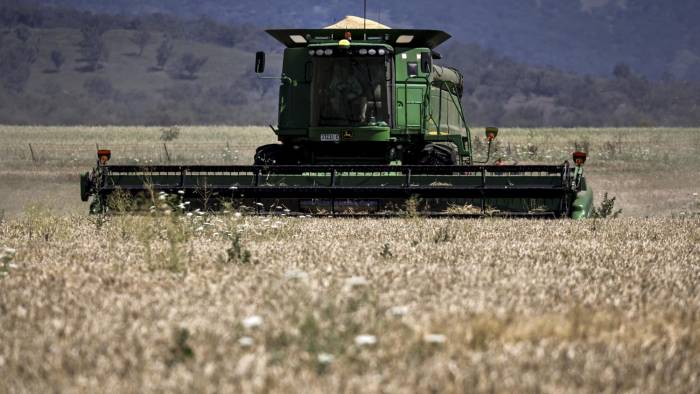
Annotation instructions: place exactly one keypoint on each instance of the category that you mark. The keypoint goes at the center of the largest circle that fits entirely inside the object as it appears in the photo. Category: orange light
(104, 155)
(491, 133)
(580, 158)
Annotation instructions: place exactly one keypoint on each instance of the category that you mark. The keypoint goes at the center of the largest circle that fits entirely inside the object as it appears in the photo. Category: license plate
(330, 137)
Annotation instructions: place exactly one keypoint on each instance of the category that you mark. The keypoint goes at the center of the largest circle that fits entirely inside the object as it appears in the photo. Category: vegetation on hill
(62, 66)
(657, 38)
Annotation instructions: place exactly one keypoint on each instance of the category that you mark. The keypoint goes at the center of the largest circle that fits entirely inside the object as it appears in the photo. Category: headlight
(311, 52)
(381, 52)
(328, 52)
(362, 51)
(319, 52)
(372, 52)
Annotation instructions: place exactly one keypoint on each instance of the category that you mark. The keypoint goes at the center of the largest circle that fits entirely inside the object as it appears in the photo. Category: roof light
(362, 51)
(297, 39)
(404, 39)
(580, 158)
(319, 52)
(372, 52)
(344, 43)
(328, 52)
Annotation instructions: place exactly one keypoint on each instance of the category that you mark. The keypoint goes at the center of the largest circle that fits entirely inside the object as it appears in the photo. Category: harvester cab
(366, 96)
(367, 124)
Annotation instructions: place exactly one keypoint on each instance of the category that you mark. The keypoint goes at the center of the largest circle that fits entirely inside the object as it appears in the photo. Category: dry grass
(169, 304)
(222, 303)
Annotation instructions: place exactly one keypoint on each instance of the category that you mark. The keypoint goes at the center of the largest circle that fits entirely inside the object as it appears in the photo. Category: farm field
(222, 303)
(651, 172)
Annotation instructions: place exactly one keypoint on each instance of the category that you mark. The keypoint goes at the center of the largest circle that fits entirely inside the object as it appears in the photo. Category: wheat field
(224, 303)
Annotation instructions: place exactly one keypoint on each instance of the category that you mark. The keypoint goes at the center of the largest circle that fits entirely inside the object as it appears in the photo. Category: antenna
(364, 20)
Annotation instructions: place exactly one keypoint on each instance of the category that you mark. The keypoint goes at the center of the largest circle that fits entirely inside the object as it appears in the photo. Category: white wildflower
(399, 310)
(355, 281)
(365, 340)
(246, 341)
(180, 192)
(434, 338)
(325, 358)
(237, 214)
(299, 275)
(252, 321)
(233, 188)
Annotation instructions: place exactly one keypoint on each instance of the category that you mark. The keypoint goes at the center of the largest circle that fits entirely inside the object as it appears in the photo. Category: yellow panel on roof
(355, 22)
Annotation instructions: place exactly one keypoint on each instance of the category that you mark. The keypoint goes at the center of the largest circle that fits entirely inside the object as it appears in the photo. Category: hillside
(62, 66)
(128, 89)
(657, 39)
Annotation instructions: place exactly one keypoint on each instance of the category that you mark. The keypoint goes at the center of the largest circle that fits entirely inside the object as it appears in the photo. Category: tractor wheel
(438, 154)
(272, 154)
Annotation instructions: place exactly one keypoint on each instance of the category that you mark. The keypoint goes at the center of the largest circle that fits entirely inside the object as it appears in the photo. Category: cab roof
(410, 38)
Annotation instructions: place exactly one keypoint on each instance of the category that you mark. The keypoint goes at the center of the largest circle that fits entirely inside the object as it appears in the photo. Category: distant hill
(659, 39)
(63, 66)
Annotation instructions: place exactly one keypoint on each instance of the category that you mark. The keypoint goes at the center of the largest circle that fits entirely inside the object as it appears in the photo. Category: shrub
(606, 208)
(141, 38)
(188, 66)
(169, 133)
(57, 59)
(165, 50)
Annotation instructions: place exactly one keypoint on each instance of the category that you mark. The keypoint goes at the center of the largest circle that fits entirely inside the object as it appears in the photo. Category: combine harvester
(368, 125)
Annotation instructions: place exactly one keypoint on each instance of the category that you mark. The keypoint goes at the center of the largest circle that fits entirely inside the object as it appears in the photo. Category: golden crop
(172, 304)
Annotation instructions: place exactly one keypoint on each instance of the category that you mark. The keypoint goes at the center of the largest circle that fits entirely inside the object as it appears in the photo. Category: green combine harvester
(368, 125)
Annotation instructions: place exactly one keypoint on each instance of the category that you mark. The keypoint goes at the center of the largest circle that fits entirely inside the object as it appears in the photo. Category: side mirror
(426, 64)
(435, 55)
(259, 62)
(491, 133)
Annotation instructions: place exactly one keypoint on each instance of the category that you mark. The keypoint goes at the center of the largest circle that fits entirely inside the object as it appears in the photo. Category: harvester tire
(438, 154)
(272, 154)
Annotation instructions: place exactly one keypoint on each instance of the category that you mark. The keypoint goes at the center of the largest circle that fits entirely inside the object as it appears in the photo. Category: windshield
(350, 91)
